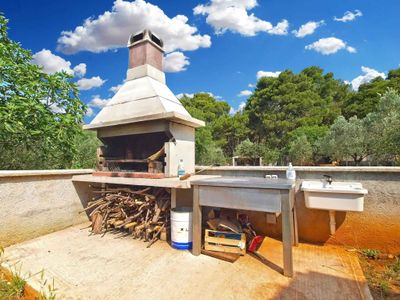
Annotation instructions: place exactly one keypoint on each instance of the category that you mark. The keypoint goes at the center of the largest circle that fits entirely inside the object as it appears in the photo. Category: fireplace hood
(144, 96)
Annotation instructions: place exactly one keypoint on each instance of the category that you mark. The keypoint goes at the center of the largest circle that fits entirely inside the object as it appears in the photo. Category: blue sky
(212, 46)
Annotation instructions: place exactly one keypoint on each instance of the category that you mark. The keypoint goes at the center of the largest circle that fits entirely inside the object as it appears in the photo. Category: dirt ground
(382, 273)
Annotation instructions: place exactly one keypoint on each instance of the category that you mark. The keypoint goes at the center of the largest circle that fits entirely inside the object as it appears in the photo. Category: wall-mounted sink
(331, 195)
(342, 196)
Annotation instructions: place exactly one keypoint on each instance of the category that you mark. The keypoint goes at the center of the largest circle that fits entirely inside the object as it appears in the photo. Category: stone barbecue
(144, 128)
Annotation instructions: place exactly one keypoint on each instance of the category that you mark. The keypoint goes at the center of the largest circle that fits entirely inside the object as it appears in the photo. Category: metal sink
(341, 196)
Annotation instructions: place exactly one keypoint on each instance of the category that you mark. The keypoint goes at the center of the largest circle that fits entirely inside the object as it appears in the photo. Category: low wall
(377, 227)
(33, 203)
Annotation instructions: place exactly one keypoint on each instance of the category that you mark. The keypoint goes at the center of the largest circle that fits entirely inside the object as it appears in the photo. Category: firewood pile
(143, 213)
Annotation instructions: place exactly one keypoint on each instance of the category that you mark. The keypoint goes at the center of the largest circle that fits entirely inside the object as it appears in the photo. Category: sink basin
(341, 196)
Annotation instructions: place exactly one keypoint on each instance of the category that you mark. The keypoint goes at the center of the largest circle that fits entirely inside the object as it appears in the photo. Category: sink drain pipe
(332, 222)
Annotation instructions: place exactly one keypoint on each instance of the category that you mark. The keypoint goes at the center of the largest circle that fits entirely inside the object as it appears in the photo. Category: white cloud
(351, 49)
(307, 28)
(80, 70)
(51, 63)
(89, 112)
(245, 93)
(175, 62)
(267, 74)
(85, 84)
(240, 108)
(191, 95)
(233, 15)
(280, 29)
(180, 95)
(349, 16)
(251, 85)
(112, 29)
(368, 75)
(331, 45)
(98, 102)
(115, 88)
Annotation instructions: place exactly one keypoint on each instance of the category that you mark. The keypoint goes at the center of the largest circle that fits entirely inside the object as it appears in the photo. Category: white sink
(341, 196)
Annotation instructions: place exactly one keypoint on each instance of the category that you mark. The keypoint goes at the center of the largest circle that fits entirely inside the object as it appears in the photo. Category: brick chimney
(145, 56)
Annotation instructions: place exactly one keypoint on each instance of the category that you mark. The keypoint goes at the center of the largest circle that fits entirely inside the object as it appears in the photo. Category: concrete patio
(110, 267)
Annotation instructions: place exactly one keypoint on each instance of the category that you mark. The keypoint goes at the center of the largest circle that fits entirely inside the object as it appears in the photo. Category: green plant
(40, 113)
(370, 253)
(396, 266)
(13, 288)
(47, 290)
(384, 287)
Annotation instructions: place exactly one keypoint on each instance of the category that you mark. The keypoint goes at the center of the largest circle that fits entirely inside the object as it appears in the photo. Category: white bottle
(290, 172)
(181, 168)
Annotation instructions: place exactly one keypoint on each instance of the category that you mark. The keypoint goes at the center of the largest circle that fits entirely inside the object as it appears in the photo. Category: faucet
(328, 179)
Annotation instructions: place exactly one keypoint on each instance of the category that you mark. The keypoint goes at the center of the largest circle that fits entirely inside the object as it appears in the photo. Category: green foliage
(40, 114)
(384, 125)
(300, 150)
(370, 253)
(365, 101)
(205, 107)
(13, 289)
(85, 145)
(222, 132)
(314, 136)
(280, 105)
(347, 138)
(248, 149)
(229, 131)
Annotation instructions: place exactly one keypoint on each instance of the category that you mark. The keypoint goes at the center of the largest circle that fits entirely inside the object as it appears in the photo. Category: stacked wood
(141, 213)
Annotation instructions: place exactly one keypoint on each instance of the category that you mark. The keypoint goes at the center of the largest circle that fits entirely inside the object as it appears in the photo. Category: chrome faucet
(328, 179)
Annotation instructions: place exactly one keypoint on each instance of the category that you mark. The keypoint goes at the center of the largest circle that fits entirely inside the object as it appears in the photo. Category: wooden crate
(225, 241)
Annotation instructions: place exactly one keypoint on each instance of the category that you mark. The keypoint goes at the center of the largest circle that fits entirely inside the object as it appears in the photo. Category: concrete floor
(95, 267)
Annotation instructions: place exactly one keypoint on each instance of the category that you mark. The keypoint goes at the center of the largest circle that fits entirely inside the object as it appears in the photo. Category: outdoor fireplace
(144, 128)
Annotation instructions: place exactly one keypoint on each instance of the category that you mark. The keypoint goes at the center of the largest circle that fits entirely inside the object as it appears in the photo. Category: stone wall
(33, 203)
(377, 227)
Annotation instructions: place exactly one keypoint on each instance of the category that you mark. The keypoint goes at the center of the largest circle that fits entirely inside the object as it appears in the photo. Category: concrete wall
(33, 203)
(378, 227)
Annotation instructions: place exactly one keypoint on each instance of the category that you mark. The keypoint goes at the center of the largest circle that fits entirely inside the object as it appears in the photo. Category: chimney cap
(145, 35)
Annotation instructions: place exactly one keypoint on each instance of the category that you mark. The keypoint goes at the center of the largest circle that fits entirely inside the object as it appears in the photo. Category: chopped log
(142, 213)
(97, 223)
(130, 225)
(158, 154)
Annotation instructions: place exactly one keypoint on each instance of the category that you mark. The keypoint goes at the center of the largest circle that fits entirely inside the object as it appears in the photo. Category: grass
(12, 289)
(382, 273)
(13, 284)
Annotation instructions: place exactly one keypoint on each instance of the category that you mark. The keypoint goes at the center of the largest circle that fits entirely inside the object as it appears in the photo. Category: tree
(384, 128)
(300, 150)
(313, 134)
(253, 151)
(40, 114)
(347, 138)
(228, 131)
(280, 105)
(205, 107)
(222, 132)
(366, 99)
(86, 145)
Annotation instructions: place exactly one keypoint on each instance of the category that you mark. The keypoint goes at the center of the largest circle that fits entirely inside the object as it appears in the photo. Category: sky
(217, 46)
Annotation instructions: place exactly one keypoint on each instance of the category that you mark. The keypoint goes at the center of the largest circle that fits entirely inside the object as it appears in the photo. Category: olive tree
(347, 139)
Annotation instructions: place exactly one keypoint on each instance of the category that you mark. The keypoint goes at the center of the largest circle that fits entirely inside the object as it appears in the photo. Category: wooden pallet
(225, 241)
